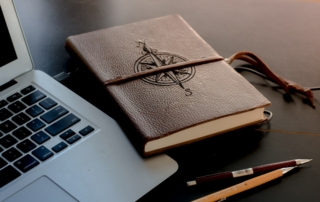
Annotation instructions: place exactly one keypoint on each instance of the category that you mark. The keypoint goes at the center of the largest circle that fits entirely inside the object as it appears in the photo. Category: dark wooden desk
(285, 34)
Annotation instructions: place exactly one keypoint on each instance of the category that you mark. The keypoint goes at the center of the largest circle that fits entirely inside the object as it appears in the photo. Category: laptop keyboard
(28, 119)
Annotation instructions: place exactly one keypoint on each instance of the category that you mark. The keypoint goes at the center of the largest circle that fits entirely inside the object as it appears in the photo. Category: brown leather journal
(171, 85)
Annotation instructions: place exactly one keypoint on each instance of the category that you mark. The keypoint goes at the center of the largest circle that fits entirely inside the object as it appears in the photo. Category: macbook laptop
(55, 146)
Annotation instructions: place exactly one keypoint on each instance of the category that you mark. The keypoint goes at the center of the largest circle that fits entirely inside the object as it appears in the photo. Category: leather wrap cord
(288, 86)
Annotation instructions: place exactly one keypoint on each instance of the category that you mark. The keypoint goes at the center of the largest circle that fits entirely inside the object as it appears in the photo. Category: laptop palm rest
(43, 189)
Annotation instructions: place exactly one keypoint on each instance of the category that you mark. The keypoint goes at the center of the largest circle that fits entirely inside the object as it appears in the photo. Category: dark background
(284, 33)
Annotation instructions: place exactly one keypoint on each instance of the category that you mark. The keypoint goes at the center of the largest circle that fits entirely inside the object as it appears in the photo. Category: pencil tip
(287, 169)
(302, 161)
(191, 183)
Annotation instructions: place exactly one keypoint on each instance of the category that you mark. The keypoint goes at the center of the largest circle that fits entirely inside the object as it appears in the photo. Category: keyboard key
(59, 147)
(35, 125)
(54, 114)
(62, 124)
(67, 134)
(26, 146)
(8, 174)
(14, 97)
(86, 130)
(26, 163)
(34, 111)
(27, 90)
(21, 133)
(1, 150)
(7, 141)
(3, 103)
(40, 137)
(42, 153)
(2, 163)
(48, 103)
(21, 118)
(33, 97)
(4, 114)
(73, 139)
(7, 126)
(17, 107)
(11, 154)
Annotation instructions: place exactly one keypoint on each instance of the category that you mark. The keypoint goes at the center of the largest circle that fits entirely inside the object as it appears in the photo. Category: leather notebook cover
(182, 103)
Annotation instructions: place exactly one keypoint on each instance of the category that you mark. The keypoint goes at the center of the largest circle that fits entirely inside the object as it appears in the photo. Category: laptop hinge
(7, 85)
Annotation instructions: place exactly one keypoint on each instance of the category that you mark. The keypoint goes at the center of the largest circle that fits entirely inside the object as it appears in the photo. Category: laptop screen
(7, 52)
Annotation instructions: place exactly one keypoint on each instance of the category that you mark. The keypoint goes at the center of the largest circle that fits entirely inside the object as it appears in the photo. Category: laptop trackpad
(43, 189)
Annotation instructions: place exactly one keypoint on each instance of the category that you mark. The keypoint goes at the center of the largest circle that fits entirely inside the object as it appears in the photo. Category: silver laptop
(55, 146)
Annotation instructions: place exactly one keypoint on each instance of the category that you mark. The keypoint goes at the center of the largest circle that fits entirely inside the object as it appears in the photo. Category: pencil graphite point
(191, 183)
(287, 169)
(302, 161)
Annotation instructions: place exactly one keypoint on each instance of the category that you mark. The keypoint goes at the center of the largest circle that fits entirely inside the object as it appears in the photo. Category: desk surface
(284, 33)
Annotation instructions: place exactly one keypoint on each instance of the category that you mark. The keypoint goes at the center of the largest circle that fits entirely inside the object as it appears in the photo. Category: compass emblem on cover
(153, 59)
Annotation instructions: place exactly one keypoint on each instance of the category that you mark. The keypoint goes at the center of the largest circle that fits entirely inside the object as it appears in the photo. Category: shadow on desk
(204, 158)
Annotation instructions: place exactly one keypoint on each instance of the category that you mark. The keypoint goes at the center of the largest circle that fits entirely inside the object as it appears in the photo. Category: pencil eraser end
(191, 183)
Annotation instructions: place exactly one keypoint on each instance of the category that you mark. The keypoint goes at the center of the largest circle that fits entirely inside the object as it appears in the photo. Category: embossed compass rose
(153, 59)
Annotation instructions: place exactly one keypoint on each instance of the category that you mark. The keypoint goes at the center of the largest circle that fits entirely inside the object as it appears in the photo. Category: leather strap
(162, 69)
(252, 59)
(260, 66)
